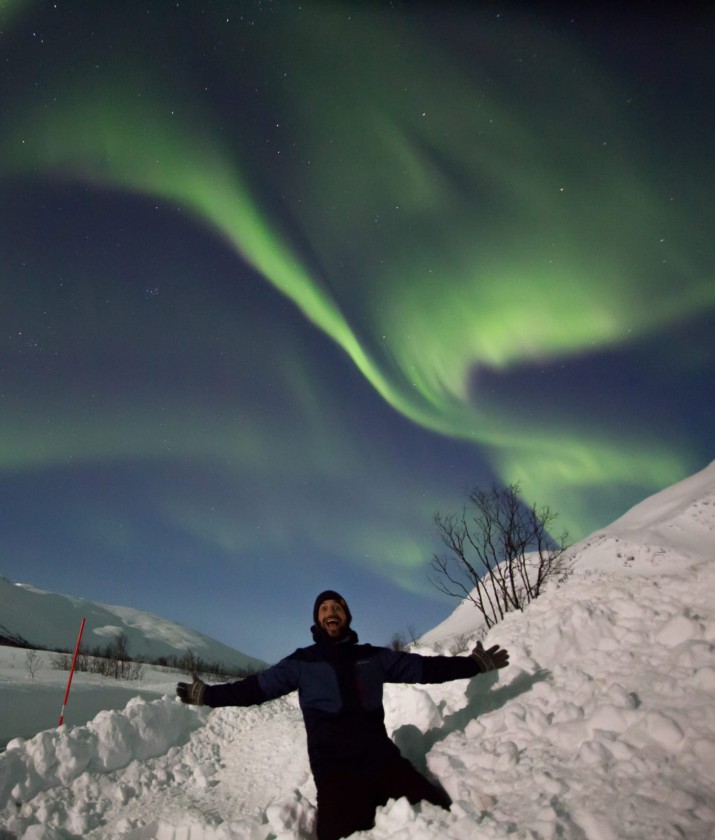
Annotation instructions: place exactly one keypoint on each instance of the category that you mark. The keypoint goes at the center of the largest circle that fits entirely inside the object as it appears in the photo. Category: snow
(46, 619)
(29, 705)
(667, 531)
(602, 727)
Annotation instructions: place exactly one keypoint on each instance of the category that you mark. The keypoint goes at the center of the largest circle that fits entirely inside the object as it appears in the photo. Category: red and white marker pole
(69, 681)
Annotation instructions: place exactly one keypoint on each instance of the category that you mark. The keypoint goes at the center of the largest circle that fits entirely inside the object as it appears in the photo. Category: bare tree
(117, 661)
(398, 642)
(500, 552)
(459, 644)
(32, 663)
(117, 654)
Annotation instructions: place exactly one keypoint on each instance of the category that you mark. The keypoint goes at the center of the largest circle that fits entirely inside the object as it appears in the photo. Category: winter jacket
(340, 693)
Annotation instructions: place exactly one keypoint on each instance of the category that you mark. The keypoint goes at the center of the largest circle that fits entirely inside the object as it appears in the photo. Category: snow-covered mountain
(601, 728)
(49, 621)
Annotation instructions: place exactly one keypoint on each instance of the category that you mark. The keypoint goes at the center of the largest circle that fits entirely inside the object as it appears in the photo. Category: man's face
(332, 618)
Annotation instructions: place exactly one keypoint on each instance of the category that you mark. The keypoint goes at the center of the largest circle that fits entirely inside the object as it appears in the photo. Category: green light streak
(151, 431)
(563, 472)
(89, 141)
(482, 241)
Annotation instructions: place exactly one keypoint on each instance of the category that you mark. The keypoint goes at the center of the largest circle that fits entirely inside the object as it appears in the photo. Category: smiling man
(332, 617)
(355, 765)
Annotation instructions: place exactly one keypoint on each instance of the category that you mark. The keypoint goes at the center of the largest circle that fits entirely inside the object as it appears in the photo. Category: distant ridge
(11, 640)
(46, 620)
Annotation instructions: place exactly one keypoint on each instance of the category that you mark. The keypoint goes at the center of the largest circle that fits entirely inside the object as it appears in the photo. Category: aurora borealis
(281, 280)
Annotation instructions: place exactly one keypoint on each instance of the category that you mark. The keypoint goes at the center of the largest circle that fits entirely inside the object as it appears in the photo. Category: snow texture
(602, 727)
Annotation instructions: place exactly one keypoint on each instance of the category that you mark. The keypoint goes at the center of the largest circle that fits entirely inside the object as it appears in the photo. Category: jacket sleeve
(438, 669)
(275, 681)
(413, 668)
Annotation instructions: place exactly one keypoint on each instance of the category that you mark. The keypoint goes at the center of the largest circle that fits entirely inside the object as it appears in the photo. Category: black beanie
(331, 595)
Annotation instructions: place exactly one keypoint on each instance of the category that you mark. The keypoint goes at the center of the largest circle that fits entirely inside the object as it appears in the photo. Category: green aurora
(443, 209)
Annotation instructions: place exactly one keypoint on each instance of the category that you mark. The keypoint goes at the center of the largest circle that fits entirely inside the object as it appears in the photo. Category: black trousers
(347, 802)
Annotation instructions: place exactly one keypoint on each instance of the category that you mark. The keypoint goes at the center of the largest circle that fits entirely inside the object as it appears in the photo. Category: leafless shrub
(500, 553)
(32, 663)
(459, 644)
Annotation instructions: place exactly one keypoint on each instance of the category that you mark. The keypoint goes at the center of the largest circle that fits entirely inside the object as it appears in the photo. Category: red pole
(69, 681)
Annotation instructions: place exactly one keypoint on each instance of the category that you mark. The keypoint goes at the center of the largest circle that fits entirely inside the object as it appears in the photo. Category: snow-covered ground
(29, 704)
(602, 727)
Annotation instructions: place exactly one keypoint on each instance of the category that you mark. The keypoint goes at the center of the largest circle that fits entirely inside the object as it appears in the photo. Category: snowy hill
(49, 621)
(601, 728)
(667, 532)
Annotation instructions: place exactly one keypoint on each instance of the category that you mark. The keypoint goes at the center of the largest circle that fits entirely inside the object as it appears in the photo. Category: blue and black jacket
(339, 686)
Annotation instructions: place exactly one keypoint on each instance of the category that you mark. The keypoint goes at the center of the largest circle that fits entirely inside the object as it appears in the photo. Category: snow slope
(602, 727)
(48, 620)
(666, 532)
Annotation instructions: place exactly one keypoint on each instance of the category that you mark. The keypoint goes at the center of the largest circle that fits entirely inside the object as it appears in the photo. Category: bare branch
(500, 552)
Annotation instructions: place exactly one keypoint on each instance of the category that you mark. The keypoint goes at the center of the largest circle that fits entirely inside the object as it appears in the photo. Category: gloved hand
(193, 693)
(491, 659)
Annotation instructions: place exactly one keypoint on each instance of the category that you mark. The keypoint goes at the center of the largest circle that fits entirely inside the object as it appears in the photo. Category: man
(355, 765)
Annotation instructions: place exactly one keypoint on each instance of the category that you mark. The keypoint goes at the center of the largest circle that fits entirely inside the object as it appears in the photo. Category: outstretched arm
(245, 692)
(413, 668)
(274, 682)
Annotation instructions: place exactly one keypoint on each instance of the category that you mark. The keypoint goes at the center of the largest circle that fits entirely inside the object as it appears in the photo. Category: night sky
(279, 281)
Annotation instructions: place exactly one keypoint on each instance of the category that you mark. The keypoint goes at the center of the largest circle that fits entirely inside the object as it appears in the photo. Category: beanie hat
(331, 595)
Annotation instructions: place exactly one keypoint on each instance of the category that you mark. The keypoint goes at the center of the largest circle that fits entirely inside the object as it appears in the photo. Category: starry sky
(280, 281)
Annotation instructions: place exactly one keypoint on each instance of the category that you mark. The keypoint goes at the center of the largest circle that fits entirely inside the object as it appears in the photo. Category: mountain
(48, 621)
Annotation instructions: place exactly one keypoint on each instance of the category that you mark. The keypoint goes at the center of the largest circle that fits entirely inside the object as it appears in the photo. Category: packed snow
(602, 727)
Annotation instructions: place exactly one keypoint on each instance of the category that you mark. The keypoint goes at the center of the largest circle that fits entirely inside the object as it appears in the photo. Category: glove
(491, 659)
(194, 693)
